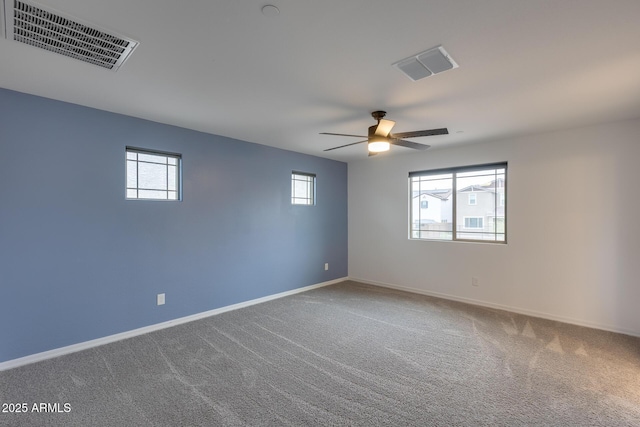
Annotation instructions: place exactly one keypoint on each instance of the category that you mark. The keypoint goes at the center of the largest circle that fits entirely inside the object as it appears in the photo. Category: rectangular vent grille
(35, 26)
(427, 63)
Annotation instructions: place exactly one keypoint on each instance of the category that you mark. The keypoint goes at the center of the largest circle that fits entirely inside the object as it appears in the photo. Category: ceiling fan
(380, 137)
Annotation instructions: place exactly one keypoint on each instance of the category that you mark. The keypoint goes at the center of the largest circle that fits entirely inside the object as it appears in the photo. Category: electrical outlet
(474, 281)
(160, 299)
(326, 266)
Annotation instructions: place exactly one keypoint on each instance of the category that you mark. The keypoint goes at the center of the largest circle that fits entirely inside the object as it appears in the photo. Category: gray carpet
(347, 354)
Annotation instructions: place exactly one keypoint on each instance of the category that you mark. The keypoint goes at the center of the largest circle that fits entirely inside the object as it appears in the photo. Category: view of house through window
(466, 203)
(152, 175)
(303, 188)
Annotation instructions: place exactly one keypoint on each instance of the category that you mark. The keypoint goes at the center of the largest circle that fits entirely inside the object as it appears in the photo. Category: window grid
(154, 183)
(303, 188)
(481, 221)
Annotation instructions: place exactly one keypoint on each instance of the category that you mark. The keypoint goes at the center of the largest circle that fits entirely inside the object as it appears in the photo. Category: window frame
(311, 188)
(159, 153)
(500, 201)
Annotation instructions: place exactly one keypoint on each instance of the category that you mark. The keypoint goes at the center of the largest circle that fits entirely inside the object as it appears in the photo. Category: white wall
(573, 224)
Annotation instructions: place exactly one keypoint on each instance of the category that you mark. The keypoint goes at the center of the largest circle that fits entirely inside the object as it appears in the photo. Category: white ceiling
(224, 68)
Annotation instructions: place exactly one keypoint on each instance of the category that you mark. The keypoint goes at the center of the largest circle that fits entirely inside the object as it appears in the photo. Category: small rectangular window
(303, 188)
(152, 175)
(467, 203)
(473, 222)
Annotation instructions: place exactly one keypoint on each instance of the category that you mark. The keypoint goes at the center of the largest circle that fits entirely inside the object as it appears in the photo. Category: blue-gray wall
(79, 262)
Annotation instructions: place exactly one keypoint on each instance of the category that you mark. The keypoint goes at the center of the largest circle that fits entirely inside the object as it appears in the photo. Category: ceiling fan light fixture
(378, 145)
(380, 138)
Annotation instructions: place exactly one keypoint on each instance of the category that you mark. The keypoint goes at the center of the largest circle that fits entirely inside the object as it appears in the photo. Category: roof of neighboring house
(489, 186)
(442, 194)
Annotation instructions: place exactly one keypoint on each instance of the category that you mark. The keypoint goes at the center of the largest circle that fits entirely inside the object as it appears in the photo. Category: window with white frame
(152, 175)
(303, 188)
(473, 222)
(466, 203)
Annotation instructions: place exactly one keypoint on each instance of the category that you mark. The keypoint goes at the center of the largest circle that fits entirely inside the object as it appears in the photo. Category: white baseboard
(50, 354)
(512, 309)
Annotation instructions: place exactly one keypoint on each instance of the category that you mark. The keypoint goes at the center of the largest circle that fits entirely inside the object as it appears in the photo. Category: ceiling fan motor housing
(372, 131)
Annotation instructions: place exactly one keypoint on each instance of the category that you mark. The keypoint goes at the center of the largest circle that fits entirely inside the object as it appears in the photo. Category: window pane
(309, 190)
(172, 178)
(300, 189)
(478, 173)
(433, 177)
(132, 194)
(132, 174)
(476, 205)
(432, 234)
(152, 176)
(431, 207)
(152, 158)
(152, 194)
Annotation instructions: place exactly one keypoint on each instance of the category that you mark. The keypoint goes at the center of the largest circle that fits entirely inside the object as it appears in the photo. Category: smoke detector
(35, 25)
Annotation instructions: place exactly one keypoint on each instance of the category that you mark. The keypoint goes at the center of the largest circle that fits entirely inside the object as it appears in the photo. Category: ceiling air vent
(427, 63)
(29, 23)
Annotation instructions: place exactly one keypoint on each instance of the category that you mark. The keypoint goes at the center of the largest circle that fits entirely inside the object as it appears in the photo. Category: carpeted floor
(347, 354)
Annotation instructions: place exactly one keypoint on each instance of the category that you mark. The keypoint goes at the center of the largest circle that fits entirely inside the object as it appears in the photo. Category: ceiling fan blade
(384, 127)
(417, 133)
(409, 144)
(342, 134)
(346, 145)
